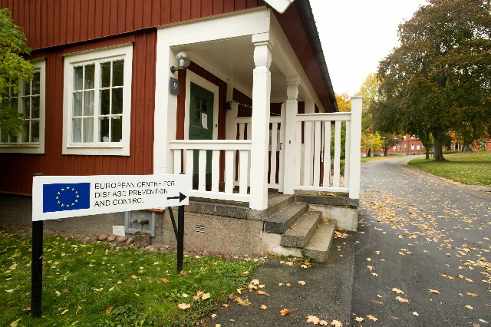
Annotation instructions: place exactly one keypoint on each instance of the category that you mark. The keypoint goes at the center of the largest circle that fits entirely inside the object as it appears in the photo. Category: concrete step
(281, 220)
(301, 231)
(278, 202)
(318, 246)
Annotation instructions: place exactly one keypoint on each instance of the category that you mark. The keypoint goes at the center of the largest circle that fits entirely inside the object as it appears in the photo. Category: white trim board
(33, 148)
(98, 148)
(234, 25)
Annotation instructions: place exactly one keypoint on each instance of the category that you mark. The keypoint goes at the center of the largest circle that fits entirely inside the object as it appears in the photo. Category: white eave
(279, 5)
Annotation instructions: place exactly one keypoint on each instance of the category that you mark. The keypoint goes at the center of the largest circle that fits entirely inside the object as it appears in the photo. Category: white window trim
(98, 148)
(33, 148)
(192, 77)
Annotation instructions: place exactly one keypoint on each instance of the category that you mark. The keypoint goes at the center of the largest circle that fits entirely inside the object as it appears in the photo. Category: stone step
(281, 220)
(301, 231)
(318, 246)
(278, 202)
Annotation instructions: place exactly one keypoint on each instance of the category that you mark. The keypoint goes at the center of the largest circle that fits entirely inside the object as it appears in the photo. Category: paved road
(426, 241)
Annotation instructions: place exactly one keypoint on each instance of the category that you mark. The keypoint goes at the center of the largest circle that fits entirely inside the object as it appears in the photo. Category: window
(29, 101)
(97, 102)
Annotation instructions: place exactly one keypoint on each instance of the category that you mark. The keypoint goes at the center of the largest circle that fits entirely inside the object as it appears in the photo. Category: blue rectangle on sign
(63, 197)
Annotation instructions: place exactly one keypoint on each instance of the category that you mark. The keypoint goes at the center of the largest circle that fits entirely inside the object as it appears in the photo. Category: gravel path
(422, 257)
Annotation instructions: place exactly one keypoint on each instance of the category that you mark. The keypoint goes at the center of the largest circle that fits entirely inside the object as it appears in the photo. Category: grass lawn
(467, 168)
(100, 285)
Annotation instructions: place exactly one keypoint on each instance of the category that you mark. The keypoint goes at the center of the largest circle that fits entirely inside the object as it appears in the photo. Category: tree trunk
(466, 148)
(386, 151)
(427, 153)
(438, 150)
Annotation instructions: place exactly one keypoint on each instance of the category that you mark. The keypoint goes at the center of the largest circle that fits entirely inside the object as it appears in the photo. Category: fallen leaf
(472, 294)
(301, 282)
(184, 306)
(359, 319)
(15, 323)
(402, 299)
(323, 323)
(242, 301)
(164, 280)
(262, 293)
(313, 320)
(336, 323)
(469, 307)
(372, 318)
(415, 314)
(263, 307)
(284, 312)
(397, 291)
(434, 291)
(64, 311)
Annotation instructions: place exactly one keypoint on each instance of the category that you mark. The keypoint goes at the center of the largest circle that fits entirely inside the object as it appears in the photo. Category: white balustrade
(327, 161)
(208, 180)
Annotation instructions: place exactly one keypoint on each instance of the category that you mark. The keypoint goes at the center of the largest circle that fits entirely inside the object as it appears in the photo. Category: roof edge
(279, 5)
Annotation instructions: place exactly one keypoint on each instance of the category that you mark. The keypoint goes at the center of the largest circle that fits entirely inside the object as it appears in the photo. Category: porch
(247, 118)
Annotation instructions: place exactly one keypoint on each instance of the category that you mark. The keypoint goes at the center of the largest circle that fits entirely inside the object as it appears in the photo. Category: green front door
(201, 126)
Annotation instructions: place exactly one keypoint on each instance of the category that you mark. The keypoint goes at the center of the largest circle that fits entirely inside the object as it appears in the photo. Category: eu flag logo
(62, 197)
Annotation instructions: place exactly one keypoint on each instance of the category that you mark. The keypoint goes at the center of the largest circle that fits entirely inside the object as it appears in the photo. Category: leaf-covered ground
(101, 285)
(468, 168)
(423, 252)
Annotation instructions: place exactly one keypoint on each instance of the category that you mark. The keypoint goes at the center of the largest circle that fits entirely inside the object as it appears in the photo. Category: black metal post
(37, 268)
(180, 238)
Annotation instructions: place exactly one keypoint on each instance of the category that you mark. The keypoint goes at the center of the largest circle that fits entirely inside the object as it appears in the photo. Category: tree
(344, 102)
(13, 69)
(438, 79)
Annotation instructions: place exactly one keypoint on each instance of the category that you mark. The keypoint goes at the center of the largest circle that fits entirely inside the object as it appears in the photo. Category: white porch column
(292, 148)
(261, 94)
(355, 151)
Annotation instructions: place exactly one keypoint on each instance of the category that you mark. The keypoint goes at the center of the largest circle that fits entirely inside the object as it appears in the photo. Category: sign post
(57, 197)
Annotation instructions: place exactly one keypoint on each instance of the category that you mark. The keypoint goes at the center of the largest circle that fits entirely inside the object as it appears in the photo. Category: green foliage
(13, 68)
(96, 284)
(438, 79)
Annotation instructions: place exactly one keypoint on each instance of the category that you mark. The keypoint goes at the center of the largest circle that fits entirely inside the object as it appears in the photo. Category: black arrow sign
(180, 197)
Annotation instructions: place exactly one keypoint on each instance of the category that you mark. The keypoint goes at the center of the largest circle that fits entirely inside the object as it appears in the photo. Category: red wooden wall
(56, 22)
(17, 169)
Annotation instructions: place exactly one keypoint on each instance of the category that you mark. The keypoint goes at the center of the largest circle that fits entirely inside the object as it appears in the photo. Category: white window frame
(32, 148)
(97, 56)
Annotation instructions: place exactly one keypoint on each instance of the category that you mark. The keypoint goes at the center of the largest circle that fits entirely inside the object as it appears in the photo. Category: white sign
(55, 197)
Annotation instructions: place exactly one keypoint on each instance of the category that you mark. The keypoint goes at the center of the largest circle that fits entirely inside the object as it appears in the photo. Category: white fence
(276, 141)
(329, 163)
(209, 181)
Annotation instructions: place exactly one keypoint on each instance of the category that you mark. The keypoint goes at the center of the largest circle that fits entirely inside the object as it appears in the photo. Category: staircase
(300, 228)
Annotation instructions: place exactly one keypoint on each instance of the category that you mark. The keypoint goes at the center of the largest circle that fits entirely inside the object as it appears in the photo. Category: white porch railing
(276, 141)
(208, 181)
(327, 162)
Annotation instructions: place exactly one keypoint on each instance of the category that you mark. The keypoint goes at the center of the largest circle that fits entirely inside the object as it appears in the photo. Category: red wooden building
(221, 89)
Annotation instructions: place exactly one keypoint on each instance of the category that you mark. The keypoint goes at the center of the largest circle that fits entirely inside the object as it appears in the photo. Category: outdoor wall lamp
(183, 62)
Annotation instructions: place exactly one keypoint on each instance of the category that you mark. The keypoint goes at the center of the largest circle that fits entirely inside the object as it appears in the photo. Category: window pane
(89, 76)
(106, 74)
(118, 69)
(35, 131)
(26, 107)
(116, 129)
(105, 102)
(88, 103)
(104, 129)
(77, 104)
(77, 130)
(36, 83)
(26, 88)
(25, 131)
(35, 107)
(4, 136)
(78, 78)
(117, 105)
(88, 130)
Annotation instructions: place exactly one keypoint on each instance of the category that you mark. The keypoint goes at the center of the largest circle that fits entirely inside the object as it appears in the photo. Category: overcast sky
(357, 34)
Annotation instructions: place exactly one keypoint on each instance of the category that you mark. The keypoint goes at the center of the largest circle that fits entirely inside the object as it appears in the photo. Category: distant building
(488, 145)
(409, 145)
